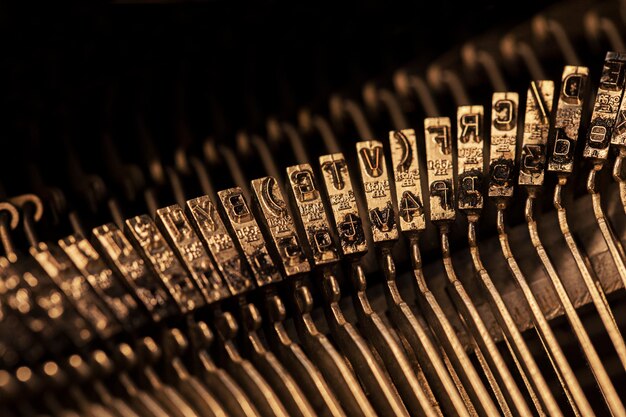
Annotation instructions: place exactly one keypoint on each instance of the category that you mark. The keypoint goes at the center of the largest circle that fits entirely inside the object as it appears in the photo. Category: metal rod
(593, 359)
(592, 283)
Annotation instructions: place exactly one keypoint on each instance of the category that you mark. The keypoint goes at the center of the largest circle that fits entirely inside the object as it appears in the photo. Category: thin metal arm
(390, 350)
(503, 380)
(513, 336)
(618, 175)
(593, 359)
(448, 338)
(591, 281)
(293, 357)
(384, 397)
(329, 361)
(566, 375)
(419, 340)
(615, 247)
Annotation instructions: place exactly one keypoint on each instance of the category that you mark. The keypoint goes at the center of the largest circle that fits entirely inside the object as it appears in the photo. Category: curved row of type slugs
(436, 77)
(344, 331)
(356, 114)
(363, 128)
(350, 341)
(268, 383)
(455, 351)
(359, 119)
(190, 388)
(243, 365)
(75, 360)
(176, 184)
(373, 331)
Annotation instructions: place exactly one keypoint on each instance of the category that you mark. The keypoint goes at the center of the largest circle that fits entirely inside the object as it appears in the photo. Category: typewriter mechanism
(273, 210)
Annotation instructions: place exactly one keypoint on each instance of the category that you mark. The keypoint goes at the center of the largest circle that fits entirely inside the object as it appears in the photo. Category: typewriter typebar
(212, 210)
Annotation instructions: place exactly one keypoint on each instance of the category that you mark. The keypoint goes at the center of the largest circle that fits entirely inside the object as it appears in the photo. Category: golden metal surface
(371, 323)
(133, 269)
(383, 395)
(502, 382)
(376, 186)
(354, 346)
(532, 168)
(571, 98)
(504, 116)
(76, 288)
(593, 359)
(250, 239)
(280, 225)
(312, 218)
(406, 173)
(175, 267)
(567, 120)
(346, 218)
(276, 218)
(190, 387)
(331, 363)
(566, 375)
(283, 384)
(184, 241)
(248, 377)
(248, 235)
(404, 158)
(101, 278)
(286, 244)
(375, 330)
(208, 223)
(217, 379)
(525, 361)
(164, 263)
(619, 175)
(539, 100)
(310, 378)
(470, 180)
(608, 98)
(469, 147)
(440, 183)
(593, 285)
(438, 137)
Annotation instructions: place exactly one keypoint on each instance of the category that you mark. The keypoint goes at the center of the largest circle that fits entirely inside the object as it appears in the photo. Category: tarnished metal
(606, 106)
(75, 286)
(104, 282)
(448, 393)
(280, 225)
(591, 354)
(377, 191)
(183, 240)
(248, 235)
(208, 223)
(164, 263)
(535, 137)
(470, 157)
(404, 158)
(567, 119)
(440, 171)
(563, 369)
(438, 137)
(470, 183)
(133, 269)
(504, 119)
(312, 215)
(346, 218)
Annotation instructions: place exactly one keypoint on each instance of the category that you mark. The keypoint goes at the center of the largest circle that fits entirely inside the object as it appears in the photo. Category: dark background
(153, 78)
(78, 70)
